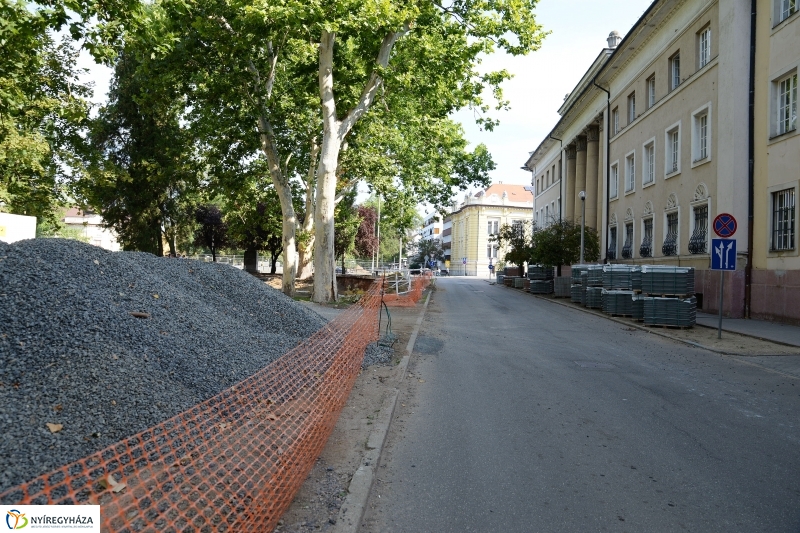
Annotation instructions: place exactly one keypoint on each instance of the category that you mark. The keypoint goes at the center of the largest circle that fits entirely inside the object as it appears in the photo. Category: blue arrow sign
(723, 254)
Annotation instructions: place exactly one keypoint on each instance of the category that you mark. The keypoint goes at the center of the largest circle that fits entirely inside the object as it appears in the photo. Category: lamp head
(582, 195)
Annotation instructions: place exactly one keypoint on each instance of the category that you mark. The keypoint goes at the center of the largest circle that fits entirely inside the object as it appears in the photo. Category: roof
(516, 193)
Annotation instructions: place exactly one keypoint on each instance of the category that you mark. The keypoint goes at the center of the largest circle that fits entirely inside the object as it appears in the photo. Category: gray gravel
(71, 353)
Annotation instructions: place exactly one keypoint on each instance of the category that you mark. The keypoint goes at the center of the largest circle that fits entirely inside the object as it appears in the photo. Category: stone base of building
(775, 295)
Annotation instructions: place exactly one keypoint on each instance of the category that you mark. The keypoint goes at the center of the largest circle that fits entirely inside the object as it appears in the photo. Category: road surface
(522, 415)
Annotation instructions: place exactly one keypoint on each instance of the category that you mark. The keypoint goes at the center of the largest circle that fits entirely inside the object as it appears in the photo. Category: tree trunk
(324, 255)
(306, 245)
(274, 267)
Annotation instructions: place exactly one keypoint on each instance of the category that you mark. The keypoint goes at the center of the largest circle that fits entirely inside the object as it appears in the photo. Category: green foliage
(560, 244)
(212, 231)
(43, 108)
(254, 219)
(515, 240)
(144, 178)
(432, 248)
(346, 223)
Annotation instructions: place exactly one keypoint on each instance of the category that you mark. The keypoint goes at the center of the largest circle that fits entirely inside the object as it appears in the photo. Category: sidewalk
(761, 329)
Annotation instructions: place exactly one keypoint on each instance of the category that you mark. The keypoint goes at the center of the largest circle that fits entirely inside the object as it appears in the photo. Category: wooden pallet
(665, 326)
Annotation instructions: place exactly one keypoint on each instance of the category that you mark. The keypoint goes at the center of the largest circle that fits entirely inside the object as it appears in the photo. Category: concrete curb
(352, 510)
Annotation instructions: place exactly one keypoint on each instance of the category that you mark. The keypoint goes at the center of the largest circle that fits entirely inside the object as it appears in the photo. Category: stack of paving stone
(636, 279)
(540, 272)
(617, 302)
(541, 286)
(562, 287)
(678, 312)
(594, 297)
(637, 306)
(577, 288)
(618, 277)
(618, 289)
(668, 296)
(667, 280)
(500, 278)
(519, 283)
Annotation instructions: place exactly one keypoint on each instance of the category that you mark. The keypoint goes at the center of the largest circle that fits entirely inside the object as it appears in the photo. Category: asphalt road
(522, 415)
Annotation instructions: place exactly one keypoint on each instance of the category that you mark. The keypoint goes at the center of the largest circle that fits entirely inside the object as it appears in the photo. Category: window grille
(698, 243)
(670, 246)
(611, 253)
(627, 248)
(783, 220)
(787, 104)
(646, 249)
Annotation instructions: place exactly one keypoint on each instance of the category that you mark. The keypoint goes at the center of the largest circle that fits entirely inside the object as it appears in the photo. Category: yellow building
(775, 278)
(479, 217)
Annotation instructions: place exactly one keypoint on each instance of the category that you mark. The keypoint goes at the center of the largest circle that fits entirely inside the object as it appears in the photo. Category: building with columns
(655, 134)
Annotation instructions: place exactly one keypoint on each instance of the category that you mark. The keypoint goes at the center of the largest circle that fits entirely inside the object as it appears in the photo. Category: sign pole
(721, 286)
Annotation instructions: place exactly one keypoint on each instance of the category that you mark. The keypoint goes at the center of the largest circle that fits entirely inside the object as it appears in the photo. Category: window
(787, 104)
(670, 246)
(491, 251)
(627, 248)
(494, 226)
(611, 252)
(615, 121)
(651, 91)
(674, 72)
(786, 8)
(630, 173)
(631, 107)
(614, 182)
(649, 169)
(646, 249)
(701, 135)
(698, 243)
(547, 179)
(704, 47)
(673, 159)
(783, 220)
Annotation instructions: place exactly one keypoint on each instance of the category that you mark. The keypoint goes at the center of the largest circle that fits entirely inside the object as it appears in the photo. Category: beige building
(476, 219)
(775, 279)
(90, 226)
(653, 135)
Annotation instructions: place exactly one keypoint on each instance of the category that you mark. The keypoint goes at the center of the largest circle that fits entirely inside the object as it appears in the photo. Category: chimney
(613, 39)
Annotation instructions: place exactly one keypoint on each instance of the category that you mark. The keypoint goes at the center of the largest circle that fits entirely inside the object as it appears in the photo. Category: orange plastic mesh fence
(233, 462)
(410, 298)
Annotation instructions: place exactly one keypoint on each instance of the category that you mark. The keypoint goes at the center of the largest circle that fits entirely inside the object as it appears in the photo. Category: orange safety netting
(410, 298)
(233, 462)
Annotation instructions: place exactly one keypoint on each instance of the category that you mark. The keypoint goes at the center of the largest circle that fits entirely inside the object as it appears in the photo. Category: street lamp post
(583, 219)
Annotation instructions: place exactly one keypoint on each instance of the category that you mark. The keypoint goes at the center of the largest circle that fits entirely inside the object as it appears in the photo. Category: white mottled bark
(334, 133)
(306, 245)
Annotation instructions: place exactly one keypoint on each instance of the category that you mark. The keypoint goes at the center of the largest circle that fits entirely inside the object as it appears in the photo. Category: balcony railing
(670, 244)
(627, 250)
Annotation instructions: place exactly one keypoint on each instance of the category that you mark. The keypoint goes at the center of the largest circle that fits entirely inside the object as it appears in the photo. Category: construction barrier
(410, 298)
(232, 463)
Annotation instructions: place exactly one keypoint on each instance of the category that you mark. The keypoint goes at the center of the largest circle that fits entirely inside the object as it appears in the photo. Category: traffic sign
(723, 254)
(725, 225)
(463, 260)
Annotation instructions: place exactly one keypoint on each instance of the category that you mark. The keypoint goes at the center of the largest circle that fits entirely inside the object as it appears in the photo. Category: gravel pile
(72, 354)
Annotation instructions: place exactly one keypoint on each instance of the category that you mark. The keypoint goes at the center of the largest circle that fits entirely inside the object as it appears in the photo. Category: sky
(579, 29)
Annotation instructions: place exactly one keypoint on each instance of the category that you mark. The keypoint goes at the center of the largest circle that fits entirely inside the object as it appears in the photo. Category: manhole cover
(595, 365)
